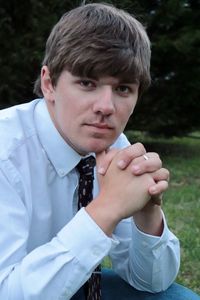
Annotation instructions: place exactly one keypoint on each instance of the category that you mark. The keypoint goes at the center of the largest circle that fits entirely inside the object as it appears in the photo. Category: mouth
(100, 127)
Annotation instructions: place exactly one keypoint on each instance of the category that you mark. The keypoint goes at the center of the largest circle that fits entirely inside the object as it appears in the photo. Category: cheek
(70, 118)
(65, 109)
(127, 110)
(131, 110)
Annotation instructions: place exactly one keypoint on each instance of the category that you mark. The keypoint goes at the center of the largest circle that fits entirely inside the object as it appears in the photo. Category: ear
(46, 85)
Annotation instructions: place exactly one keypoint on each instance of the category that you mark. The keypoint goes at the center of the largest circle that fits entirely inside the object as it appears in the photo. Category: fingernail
(121, 164)
(101, 170)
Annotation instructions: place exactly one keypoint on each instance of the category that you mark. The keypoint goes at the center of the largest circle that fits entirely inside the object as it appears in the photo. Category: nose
(104, 102)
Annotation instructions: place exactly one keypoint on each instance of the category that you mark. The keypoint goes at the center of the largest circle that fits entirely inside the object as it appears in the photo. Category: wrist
(150, 220)
(103, 216)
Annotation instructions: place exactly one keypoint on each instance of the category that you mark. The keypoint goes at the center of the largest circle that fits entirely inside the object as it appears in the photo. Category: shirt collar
(61, 155)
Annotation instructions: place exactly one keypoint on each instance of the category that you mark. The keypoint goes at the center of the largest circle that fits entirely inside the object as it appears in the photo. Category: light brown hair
(96, 40)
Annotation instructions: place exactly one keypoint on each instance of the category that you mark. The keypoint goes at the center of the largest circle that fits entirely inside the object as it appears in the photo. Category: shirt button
(61, 172)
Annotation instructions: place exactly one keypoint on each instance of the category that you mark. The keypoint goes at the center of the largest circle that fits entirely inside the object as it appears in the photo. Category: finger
(150, 162)
(161, 174)
(158, 188)
(161, 178)
(104, 159)
(129, 153)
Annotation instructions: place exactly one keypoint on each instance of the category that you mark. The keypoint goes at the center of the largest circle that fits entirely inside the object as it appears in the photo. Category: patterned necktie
(86, 170)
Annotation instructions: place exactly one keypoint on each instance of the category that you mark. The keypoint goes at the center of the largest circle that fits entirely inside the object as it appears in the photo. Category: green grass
(181, 202)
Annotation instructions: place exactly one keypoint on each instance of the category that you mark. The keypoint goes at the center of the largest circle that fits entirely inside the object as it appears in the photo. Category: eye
(86, 83)
(124, 90)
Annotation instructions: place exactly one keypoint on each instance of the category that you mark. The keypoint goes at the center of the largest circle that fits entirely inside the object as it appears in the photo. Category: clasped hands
(132, 158)
(130, 185)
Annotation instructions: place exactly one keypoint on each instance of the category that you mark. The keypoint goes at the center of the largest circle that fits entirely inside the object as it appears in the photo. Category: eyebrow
(120, 80)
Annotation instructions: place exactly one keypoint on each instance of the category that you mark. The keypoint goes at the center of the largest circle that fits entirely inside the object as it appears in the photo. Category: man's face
(89, 113)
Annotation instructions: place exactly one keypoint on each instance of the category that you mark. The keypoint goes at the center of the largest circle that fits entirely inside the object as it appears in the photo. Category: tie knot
(86, 166)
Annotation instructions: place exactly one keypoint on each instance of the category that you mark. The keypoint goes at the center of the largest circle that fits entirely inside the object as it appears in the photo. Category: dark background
(170, 107)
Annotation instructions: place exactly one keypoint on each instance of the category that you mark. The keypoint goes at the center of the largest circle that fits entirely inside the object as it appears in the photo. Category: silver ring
(145, 157)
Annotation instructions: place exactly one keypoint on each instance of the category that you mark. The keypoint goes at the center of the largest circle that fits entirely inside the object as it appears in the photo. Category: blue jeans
(115, 288)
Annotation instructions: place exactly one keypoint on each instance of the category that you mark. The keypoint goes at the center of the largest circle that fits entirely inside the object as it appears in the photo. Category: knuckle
(166, 172)
(157, 156)
(140, 147)
(159, 161)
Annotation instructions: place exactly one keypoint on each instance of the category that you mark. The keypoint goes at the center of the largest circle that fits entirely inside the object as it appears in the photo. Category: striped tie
(85, 167)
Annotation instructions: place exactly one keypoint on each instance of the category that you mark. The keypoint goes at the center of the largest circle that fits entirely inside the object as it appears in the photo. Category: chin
(96, 145)
(99, 147)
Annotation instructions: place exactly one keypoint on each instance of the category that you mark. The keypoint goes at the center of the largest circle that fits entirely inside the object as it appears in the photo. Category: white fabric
(47, 249)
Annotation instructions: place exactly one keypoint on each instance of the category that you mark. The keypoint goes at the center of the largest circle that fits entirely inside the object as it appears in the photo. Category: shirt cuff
(147, 241)
(85, 240)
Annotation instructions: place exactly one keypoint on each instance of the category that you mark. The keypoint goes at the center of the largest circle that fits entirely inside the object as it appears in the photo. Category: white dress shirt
(47, 248)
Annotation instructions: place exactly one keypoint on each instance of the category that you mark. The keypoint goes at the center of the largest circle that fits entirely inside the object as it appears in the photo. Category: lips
(100, 125)
(99, 128)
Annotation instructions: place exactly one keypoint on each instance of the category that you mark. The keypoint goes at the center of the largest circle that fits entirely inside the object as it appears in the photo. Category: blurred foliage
(171, 106)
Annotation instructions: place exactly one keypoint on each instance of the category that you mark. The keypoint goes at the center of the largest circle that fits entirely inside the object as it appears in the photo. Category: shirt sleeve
(148, 263)
(55, 270)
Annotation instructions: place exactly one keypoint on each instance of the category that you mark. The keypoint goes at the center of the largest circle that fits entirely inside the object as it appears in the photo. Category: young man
(95, 67)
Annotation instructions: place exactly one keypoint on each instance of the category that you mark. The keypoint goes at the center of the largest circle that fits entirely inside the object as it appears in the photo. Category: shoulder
(16, 125)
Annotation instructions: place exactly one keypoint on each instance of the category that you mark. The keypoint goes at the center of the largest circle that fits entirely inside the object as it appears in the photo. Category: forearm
(58, 267)
(150, 219)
